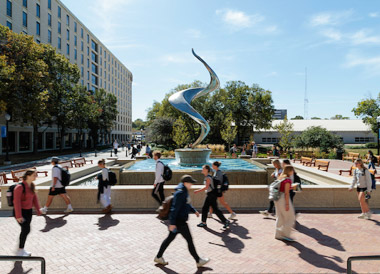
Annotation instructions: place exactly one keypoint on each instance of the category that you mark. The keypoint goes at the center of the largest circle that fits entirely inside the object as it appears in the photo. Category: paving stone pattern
(127, 243)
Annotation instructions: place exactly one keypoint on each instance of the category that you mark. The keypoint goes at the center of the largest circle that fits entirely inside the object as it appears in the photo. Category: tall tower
(306, 101)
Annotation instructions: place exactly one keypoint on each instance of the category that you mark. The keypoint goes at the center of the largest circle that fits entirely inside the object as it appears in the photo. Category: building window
(38, 28)
(81, 33)
(38, 11)
(94, 46)
(88, 86)
(75, 54)
(88, 63)
(24, 19)
(81, 45)
(9, 25)
(59, 42)
(82, 72)
(59, 12)
(49, 4)
(75, 27)
(75, 40)
(67, 20)
(88, 39)
(68, 49)
(88, 75)
(81, 59)
(25, 3)
(49, 36)
(94, 68)
(9, 8)
(364, 139)
(24, 141)
(94, 57)
(59, 27)
(94, 80)
(49, 19)
(270, 140)
(68, 34)
(88, 51)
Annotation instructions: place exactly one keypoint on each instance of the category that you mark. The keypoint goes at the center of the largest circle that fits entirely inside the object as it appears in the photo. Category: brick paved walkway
(127, 243)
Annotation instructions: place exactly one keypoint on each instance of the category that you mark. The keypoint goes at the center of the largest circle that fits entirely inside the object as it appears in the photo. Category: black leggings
(159, 188)
(25, 226)
(211, 200)
(182, 228)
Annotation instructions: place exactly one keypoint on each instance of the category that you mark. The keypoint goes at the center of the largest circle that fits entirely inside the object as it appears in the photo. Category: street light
(378, 135)
(7, 118)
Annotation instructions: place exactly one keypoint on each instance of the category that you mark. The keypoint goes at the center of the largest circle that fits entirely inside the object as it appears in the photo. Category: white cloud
(332, 34)
(363, 37)
(374, 14)
(240, 20)
(371, 64)
(330, 18)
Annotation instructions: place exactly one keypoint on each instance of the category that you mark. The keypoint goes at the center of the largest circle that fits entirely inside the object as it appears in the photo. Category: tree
(160, 131)
(228, 131)
(138, 124)
(369, 110)
(339, 117)
(180, 135)
(318, 137)
(298, 117)
(315, 118)
(286, 134)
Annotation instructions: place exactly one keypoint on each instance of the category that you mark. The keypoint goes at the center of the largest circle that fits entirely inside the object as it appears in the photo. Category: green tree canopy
(286, 134)
(180, 134)
(160, 131)
(318, 137)
(228, 131)
(339, 117)
(369, 110)
(139, 124)
(298, 117)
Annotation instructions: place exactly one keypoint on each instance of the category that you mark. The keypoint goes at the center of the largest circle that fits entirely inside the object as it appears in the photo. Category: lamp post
(378, 135)
(7, 161)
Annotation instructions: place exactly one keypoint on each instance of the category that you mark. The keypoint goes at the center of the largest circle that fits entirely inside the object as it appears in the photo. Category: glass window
(38, 11)
(49, 4)
(94, 46)
(81, 33)
(68, 34)
(9, 8)
(81, 59)
(88, 39)
(49, 19)
(59, 27)
(38, 28)
(75, 27)
(49, 36)
(82, 83)
(9, 25)
(88, 63)
(81, 45)
(59, 42)
(88, 86)
(68, 49)
(94, 80)
(75, 54)
(94, 68)
(25, 3)
(59, 12)
(75, 40)
(94, 57)
(24, 141)
(24, 19)
(88, 75)
(67, 20)
(88, 51)
(81, 71)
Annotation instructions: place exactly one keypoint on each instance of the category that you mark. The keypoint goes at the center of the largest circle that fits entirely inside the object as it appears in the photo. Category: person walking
(115, 146)
(295, 179)
(147, 150)
(104, 187)
(211, 199)
(158, 186)
(24, 199)
(254, 150)
(284, 208)
(57, 188)
(275, 175)
(372, 160)
(178, 216)
(218, 175)
(362, 180)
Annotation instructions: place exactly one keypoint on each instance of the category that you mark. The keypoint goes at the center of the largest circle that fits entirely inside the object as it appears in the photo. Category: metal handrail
(360, 258)
(22, 258)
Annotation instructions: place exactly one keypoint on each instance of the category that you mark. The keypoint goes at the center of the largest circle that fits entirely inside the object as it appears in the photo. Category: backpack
(112, 180)
(10, 193)
(217, 187)
(134, 150)
(374, 159)
(274, 190)
(226, 183)
(164, 209)
(65, 176)
(168, 173)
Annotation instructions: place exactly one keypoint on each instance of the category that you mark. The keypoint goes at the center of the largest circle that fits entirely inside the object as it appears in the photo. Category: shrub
(371, 145)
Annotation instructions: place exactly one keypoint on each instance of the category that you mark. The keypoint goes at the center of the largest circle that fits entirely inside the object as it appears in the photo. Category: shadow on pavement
(53, 223)
(106, 222)
(316, 259)
(235, 245)
(165, 269)
(18, 269)
(203, 269)
(322, 239)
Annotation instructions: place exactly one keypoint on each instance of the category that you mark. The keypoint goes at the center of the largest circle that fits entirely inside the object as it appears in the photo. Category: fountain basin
(192, 157)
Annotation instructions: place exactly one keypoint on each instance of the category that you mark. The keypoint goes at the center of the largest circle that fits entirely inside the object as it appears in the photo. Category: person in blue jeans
(372, 160)
(178, 216)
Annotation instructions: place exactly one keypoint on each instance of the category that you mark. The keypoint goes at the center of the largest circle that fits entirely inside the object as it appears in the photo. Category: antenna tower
(306, 101)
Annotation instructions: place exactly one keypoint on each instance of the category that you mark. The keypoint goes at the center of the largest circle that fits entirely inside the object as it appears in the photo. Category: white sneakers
(160, 261)
(202, 262)
(22, 252)
(233, 216)
(264, 212)
(209, 215)
(43, 210)
(366, 215)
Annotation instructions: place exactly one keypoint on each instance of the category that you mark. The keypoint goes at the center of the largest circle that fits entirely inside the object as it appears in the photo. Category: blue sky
(264, 42)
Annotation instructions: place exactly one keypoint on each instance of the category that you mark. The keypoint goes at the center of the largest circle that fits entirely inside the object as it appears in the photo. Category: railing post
(349, 266)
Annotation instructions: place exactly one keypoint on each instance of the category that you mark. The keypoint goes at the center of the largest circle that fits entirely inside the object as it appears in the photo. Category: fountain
(181, 100)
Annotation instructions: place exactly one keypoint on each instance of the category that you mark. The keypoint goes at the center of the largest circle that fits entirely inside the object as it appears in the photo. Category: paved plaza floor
(127, 243)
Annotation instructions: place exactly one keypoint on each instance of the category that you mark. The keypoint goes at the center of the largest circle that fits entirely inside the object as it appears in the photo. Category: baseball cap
(187, 179)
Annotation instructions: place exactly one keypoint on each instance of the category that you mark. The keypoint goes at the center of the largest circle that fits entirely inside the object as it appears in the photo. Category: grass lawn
(363, 151)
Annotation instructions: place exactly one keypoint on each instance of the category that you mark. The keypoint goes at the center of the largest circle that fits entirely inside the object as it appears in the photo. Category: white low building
(351, 131)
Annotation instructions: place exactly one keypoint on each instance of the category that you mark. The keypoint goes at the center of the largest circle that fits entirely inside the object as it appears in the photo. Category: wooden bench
(322, 164)
(80, 162)
(351, 156)
(66, 164)
(17, 174)
(350, 171)
(307, 161)
(4, 179)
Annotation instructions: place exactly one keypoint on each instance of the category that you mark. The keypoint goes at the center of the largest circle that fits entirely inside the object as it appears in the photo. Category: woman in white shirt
(104, 188)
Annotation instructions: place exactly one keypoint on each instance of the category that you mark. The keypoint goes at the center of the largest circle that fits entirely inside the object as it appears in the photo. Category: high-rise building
(51, 22)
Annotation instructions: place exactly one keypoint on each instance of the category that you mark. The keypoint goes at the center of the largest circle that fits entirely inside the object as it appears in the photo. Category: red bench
(17, 174)
(4, 179)
(66, 164)
(80, 162)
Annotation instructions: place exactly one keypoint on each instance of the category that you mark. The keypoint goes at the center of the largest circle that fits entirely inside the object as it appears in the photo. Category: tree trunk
(35, 138)
(62, 137)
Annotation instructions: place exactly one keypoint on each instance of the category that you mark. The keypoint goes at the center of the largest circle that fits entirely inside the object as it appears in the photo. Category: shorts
(361, 189)
(57, 191)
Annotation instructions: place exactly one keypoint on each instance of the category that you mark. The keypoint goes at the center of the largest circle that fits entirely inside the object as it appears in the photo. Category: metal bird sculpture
(181, 100)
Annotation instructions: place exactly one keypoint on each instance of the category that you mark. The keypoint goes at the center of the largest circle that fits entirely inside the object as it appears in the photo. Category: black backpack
(134, 151)
(65, 176)
(168, 173)
(217, 187)
(10, 193)
(226, 183)
(112, 178)
(374, 159)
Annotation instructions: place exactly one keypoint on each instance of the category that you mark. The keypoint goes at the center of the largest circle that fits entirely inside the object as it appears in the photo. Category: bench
(66, 164)
(322, 164)
(307, 161)
(351, 156)
(350, 171)
(80, 162)
(374, 173)
(17, 174)
(4, 179)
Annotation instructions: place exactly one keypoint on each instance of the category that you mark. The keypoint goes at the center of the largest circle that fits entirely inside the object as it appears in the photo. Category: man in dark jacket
(179, 214)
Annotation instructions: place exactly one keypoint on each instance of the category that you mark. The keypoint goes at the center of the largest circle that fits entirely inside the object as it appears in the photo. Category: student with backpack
(372, 160)
(24, 198)
(60, 179)
(211, 198)
(158, 186)
(179, 214)
(276, 163)
(220, 176)
(362, 180)
(106, 180)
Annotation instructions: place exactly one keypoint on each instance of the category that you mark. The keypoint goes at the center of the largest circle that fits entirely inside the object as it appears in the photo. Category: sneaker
(362, 216)
(202, 262)
(69, 209)
(201, 225)
(288, 239)
(43, 210)
(209, 215)
(264, 212)
(27, 254)
(227, 224)
(368, 215)
(21, 252)
(160, 261)
(233, 216)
